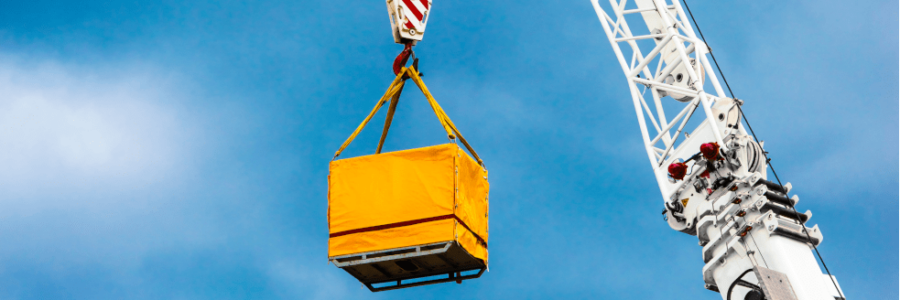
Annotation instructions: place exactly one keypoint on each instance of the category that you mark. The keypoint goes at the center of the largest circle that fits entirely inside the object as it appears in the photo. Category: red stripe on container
(409, 223)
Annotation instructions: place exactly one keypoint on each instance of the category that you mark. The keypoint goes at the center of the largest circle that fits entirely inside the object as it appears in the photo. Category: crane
(412, 217)
(713, 179)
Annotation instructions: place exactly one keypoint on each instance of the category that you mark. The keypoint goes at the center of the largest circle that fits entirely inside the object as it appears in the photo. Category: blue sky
(179, 150)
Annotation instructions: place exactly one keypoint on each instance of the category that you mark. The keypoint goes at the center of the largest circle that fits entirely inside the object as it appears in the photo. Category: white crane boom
(755, 245)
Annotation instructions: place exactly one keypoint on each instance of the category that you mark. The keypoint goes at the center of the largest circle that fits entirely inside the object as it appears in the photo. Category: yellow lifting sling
(393, 93)
(403, 215)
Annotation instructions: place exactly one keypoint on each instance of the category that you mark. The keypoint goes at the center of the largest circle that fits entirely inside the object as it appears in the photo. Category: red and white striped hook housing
(408, 19)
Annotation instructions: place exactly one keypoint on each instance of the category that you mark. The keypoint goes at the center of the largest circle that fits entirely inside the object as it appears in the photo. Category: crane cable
(768, 160)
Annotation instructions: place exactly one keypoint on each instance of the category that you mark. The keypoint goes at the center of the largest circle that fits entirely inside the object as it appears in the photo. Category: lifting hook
(403, 57)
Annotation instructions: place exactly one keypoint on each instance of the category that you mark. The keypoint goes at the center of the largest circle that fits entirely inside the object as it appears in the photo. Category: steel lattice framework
(745, 223)
(675, 42)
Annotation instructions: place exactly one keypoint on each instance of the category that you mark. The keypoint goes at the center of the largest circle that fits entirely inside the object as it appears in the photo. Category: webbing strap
(395, 87)
(393, 93)
(434, 105)
(388, 119)
(445, 120)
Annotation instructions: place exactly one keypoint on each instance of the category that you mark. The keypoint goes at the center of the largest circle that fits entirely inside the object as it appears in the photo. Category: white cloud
(90, 157)
(69, 126)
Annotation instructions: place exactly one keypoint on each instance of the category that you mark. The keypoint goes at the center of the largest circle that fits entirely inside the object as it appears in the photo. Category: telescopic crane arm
(713, 180)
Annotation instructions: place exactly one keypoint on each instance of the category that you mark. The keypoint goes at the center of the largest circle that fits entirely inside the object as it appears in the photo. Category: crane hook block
(408, 19)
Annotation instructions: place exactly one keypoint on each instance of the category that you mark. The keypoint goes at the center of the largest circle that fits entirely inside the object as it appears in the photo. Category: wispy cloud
(69, 127)
(99, 175)
(91, 158)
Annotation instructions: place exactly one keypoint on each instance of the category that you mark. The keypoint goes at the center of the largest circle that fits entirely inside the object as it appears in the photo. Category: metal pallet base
(410, 263)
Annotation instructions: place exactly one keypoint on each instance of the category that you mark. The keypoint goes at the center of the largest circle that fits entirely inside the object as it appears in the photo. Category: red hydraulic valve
(710, 151)
(677, 170)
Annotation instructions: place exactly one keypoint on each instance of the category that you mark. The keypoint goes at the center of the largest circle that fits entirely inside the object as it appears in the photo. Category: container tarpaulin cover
(407, 198)
(397, 218)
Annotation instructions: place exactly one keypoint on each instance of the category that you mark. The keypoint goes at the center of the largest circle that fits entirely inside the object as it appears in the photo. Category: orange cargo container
(409, 214)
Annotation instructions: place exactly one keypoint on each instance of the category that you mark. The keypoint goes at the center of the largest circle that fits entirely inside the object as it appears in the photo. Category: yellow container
(408, 198)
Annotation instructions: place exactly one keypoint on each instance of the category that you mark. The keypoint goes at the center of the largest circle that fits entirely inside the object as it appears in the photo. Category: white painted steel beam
(741, 234)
